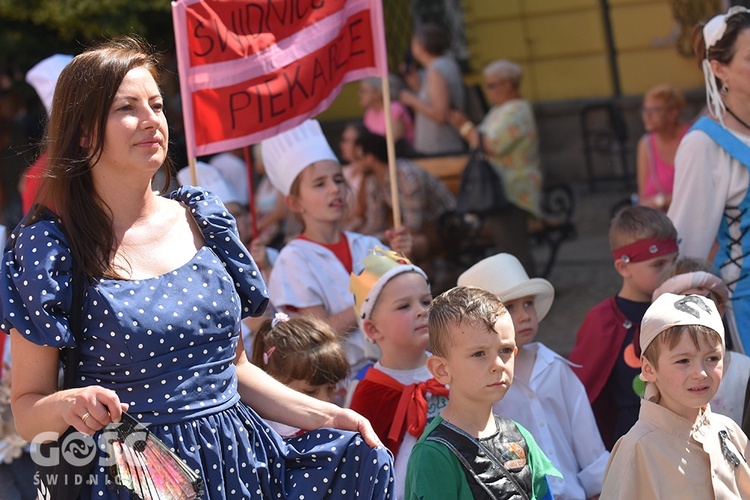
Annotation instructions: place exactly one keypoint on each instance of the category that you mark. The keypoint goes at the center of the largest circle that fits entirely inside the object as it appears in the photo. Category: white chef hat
(43, 77)
(286, 155)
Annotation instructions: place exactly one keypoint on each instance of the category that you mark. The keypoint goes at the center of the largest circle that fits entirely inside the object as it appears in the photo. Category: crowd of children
(456, 387)
(651, 402)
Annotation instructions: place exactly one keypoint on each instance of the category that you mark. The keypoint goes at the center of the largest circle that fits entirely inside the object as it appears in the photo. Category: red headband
(645, 250)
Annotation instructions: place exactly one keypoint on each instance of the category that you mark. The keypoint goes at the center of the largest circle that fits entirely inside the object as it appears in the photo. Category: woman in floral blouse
(510, 139)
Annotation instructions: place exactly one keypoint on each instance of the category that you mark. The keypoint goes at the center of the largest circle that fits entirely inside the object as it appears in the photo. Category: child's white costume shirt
(555, 409)
(664, 457)
(307, 274)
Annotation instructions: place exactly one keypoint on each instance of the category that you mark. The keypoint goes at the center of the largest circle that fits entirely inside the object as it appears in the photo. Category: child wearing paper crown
(398, 393)
(679, 448)
(303, 353)
(546, 397)
(643, 243)
(311, 274)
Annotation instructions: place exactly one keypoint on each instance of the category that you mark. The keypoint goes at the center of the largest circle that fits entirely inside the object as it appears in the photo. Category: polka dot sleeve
(220, 231)
(35, 284)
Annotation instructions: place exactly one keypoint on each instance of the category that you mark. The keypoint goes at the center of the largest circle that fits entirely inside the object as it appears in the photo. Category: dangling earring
(724, 89)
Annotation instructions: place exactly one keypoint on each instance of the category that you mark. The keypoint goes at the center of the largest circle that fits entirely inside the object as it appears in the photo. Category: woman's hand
(408, 98)
(258, 252)
(457, 118)
(411, 77)
(275, 401)
(350, 420)
(466, 129)
(90, 409)
(400, 240)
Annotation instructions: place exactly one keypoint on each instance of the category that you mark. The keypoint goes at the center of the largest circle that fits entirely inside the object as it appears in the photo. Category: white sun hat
(286, 155)
(43, 77)
(503, 275)
(234, 172)
(210, 179)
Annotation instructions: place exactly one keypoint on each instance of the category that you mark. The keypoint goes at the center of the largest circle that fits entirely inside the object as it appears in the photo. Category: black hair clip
(728, 454)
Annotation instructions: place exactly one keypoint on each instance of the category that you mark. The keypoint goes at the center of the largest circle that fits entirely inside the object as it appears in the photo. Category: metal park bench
(464, 239)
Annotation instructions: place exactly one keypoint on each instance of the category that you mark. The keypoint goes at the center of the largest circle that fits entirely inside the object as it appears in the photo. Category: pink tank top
(661, 175)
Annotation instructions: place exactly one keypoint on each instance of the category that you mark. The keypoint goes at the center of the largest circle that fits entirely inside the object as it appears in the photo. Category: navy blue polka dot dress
(166, 345)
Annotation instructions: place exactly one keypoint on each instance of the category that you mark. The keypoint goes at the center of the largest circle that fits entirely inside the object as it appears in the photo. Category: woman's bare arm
(275, 401)
(39, 407)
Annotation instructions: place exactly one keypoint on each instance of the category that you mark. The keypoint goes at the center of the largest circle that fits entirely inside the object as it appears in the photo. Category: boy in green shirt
(467, 452)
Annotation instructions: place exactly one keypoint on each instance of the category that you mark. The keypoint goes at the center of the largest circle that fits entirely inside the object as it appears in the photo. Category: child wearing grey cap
(678, 448)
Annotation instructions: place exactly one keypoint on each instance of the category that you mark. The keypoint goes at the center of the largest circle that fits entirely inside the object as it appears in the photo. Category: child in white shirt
(546, 397)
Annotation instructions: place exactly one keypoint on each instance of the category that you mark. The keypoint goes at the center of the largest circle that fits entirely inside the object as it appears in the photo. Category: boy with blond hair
(546, 396)
(605, 356)
(468, 452)
(679, 448)
(397, 394)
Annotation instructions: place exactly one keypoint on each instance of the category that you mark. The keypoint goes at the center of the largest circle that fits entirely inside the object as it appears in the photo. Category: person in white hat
(679, 448)
(546, 397)
(696, 276)
(43, 77)
(311, 274)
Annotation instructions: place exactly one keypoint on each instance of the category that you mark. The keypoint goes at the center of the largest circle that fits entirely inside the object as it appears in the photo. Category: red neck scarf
(412, 407)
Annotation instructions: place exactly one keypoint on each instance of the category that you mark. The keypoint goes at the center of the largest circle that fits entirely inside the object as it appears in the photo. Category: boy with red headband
(644, 243)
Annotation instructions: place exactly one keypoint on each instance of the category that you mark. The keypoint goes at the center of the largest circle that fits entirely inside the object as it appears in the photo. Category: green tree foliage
(31, 30)
(87, 18)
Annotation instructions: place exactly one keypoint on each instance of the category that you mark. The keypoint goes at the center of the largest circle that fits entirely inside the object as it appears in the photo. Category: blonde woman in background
(660, 113)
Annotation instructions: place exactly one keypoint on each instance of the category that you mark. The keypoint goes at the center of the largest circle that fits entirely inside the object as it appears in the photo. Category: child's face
(322, 190)
(480, 363)
(642, 278)
(400, 316)
(324, 392)
(687, 377)
(346, 144)
(525, 321)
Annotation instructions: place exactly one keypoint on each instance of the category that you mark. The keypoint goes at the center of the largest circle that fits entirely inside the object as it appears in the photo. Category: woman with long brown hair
(167, 282)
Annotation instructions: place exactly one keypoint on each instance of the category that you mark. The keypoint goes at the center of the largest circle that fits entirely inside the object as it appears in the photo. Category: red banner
(222, 31)
(250, 70)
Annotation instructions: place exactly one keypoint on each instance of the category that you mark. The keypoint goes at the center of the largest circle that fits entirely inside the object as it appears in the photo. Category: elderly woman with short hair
(509, 137)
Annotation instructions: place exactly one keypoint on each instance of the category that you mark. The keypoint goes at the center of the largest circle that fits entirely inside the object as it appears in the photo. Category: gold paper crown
(372, 273)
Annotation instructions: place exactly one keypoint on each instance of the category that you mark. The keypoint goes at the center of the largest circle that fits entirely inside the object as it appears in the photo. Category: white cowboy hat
(210, 178)
(503, 275)
(43, 77)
